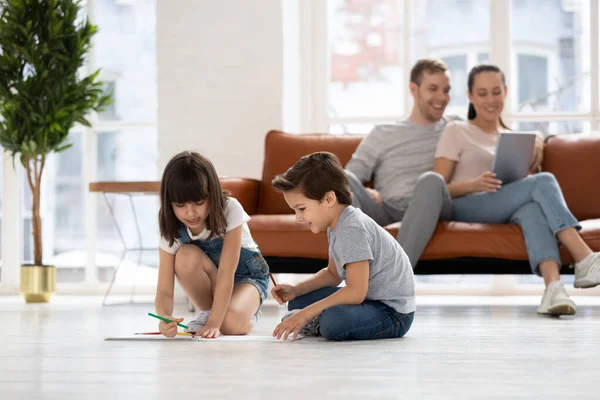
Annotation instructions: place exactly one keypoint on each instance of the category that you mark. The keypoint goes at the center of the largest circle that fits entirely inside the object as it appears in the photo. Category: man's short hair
(314, 175)
(431, 65)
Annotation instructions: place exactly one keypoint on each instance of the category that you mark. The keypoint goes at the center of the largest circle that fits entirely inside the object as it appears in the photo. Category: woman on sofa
(464, 158)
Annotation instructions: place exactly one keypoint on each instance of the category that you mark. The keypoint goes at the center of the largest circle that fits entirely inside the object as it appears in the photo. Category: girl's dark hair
(190, 177)
(476, 70)
(314, 175)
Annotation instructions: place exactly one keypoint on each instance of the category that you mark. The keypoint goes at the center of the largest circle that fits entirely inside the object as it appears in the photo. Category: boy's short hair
(431, 65)
(314, 175)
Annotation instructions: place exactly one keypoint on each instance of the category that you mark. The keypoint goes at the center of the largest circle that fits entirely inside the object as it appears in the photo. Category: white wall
(220, 72)
(292, 61)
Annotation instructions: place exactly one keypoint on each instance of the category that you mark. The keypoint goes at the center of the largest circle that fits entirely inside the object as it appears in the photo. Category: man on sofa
(399, 158)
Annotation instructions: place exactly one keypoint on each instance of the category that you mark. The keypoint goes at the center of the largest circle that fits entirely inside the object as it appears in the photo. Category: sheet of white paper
(245, 338)
(150, 338)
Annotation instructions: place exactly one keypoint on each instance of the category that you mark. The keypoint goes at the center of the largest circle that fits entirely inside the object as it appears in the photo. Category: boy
(378, 300)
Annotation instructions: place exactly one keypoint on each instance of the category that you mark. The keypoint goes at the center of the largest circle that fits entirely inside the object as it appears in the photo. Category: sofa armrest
(245, 190)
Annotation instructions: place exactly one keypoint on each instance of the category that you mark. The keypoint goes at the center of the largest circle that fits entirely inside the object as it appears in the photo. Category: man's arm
(364, 159)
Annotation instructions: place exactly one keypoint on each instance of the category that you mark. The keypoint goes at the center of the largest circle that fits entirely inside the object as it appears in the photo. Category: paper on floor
(231, 338)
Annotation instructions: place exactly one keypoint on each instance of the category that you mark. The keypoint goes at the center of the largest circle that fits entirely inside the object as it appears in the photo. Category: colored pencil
(167, 320)
(158, 333)
(273, 279)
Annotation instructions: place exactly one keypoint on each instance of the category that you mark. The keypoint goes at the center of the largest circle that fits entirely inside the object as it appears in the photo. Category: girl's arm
(355, 291)
(230, 256)
(166, 281)
(327, 277)
(445, 167)
(164, 293)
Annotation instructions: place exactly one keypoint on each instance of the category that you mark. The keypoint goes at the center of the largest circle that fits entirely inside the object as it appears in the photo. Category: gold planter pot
(38, 283)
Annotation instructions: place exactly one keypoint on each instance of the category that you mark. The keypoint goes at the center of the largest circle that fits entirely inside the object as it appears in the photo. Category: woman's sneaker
(310, 329)
(198, 322)
(587, 272)
(556, 301)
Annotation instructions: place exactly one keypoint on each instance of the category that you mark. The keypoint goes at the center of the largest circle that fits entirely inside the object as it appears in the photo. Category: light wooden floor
(456, 349)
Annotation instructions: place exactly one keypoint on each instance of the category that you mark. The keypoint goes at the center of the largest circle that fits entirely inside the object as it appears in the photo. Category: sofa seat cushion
(461, 239)
(281, 236)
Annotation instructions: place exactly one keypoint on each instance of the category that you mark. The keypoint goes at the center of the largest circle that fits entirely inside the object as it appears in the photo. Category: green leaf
(63, 148)
(55, 127)
(84, 122)
(22, 159)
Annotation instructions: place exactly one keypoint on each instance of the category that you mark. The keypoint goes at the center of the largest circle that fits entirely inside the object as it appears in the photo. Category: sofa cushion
(245, 190)
(282, 236)
(282, 150)
(461, 239)
(575, 161)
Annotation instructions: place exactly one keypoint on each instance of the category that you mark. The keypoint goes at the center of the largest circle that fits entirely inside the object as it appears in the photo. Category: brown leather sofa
(455, 247)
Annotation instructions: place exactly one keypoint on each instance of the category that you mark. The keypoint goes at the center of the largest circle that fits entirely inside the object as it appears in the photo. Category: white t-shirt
(471, 148)
(235, 216)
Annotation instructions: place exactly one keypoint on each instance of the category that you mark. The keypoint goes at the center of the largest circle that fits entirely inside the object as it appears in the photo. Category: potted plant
(43, 45)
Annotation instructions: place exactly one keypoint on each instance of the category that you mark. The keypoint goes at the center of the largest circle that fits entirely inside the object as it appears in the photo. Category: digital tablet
(513, 156)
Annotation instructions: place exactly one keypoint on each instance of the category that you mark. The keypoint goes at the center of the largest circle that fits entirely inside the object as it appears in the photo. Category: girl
(206, 243)
(464, 158)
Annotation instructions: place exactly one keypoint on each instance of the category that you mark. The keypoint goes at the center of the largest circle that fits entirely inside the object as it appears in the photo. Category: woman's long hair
(478, 69)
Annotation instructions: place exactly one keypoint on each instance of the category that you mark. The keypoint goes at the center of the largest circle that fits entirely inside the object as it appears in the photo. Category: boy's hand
(169, 329)
(292, 325)
(284, 293)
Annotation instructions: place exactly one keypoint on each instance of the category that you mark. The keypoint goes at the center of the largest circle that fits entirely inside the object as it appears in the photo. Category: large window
(121, 145)
(127, 137)
(62, 212)
(545, 47)
(554, 127)
(456, 32)
(367, 61)
(128, 155)
(533, 81)
(550, 48)
(125, 49)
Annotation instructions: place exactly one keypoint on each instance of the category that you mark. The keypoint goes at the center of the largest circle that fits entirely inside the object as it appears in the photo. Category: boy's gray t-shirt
(357, 237)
